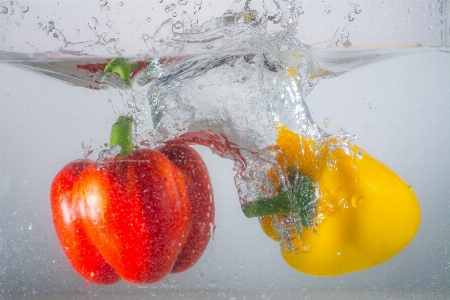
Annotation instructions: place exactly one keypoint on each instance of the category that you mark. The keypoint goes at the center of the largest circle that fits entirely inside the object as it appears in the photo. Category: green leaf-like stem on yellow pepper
(365, 213)
(300, 200)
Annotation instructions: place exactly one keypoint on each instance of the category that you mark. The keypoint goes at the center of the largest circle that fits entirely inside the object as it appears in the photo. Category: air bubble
(165, 283)
(212, 282)
(356, 200)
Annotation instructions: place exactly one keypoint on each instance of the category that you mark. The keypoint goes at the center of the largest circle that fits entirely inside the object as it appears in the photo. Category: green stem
(299, 200)
(121, 134)
(268, 206)
(122, 67)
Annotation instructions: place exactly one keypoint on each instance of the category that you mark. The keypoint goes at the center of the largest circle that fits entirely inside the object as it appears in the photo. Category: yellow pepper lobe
(366, 214)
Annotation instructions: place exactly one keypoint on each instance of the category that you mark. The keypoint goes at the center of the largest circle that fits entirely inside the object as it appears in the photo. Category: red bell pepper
(137, 216)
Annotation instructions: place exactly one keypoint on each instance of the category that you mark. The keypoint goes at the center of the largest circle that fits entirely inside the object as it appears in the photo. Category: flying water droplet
(170, 7)
(357, 9)
(351, 16)
(3, 10)
(178, 25)
(182, 2)
(93, 23)
(326, 122)
(121, 3)
(328, 9)
(2, 39)
(410, 9)
(24, 9)
(148, 19)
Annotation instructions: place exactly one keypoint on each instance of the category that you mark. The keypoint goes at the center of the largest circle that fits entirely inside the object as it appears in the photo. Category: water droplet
(24, 9)
(3, 10)
(145, 37)
(351, 16)
(160, 1)
(38, 25)
(129, 19)
(2, 39)
(356, 200)
(178, 25)
(121, 3)
(148, 19)
(182, 2)
(212, 282)
(77, 31)
(328, 9)
(372, 105)
(326, 122)
(431, 6)
(358, 9)
(359, 155)
(170, 7)
(174, 14)
(93, 23)
(410, 9)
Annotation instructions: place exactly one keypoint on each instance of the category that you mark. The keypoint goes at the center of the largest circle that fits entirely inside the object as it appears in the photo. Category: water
(237, 80)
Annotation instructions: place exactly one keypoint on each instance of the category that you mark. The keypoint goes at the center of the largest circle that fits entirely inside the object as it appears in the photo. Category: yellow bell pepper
(356, 212)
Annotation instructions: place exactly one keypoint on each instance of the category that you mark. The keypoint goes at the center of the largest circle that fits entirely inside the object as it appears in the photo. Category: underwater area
(225, 77)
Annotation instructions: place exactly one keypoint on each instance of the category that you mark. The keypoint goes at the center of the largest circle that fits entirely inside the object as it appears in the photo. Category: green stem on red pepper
(121, 134)
(122, 67)
(299, 199)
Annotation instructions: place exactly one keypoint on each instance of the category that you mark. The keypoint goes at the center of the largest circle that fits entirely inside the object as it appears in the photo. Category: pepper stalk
(121, 134)
(299, 200)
